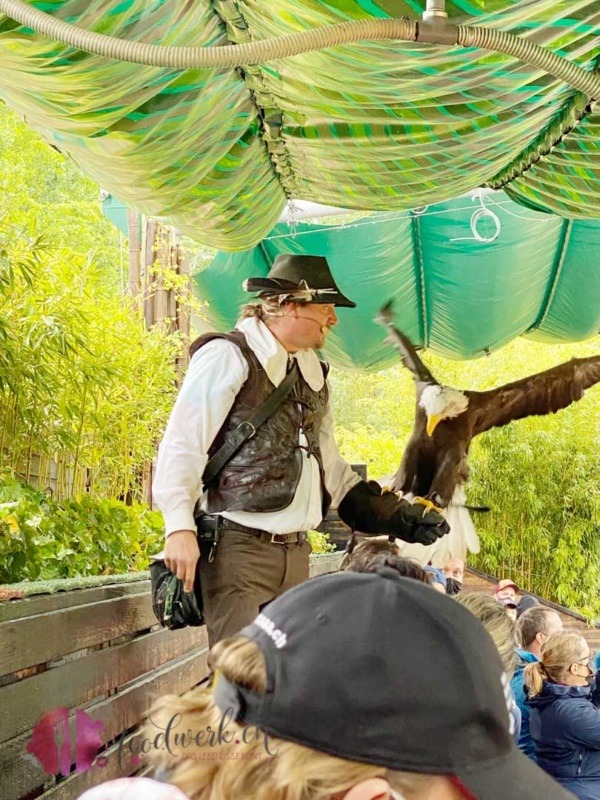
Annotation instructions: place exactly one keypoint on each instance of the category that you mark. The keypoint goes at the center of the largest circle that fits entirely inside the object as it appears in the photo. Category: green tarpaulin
(458, 296)
(373, 125)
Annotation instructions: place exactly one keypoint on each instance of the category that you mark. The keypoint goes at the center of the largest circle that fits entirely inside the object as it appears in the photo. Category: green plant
(319, 542)
(85, 390)
(41, 539)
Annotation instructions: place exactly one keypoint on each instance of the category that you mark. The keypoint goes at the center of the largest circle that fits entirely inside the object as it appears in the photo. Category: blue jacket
(524, 742)
(565, 728)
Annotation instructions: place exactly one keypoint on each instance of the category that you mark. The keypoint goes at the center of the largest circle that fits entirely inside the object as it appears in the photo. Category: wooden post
(147, 272)
(134, 234)
(162, 306)
(161, 266)
(183, 316)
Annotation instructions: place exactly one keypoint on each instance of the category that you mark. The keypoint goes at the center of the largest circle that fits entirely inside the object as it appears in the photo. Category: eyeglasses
(587, 663)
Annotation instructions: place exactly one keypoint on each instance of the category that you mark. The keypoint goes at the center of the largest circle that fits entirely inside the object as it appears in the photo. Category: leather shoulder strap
(248, 428)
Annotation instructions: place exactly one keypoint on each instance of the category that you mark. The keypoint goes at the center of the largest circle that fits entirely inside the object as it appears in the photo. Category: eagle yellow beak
(432, 423)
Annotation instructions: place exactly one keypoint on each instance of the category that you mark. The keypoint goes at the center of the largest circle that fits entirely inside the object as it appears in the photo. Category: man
(506, 589)
(284, 478)
(526, 602)
(510, 605)
(533, 628)
(454, 571)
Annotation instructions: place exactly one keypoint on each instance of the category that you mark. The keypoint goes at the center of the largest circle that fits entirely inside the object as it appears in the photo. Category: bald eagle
(434, 465)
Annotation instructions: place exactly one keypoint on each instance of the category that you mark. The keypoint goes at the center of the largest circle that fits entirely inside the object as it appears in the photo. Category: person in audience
(367, 548)
(348, 687)
(506, 588)
(454, 571)
(526, 602)
(510, 607)
(497, 623)
(501, 628)
(533, 628)
(564, 722)
(436, 578)
(405, 567)
(371, 555)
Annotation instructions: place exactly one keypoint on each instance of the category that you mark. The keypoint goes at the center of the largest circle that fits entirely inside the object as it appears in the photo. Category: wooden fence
(98, 650)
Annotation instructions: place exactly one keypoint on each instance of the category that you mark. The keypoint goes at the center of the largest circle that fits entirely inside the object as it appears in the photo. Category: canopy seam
(420, 260)
(567, 228)
(270, 116)
(577, 107)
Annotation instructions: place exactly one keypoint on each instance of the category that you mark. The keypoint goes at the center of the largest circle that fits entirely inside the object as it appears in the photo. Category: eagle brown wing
(543, 393)
(408, 351)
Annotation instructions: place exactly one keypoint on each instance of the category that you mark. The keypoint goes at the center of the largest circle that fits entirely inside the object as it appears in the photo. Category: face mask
(591, 678)
(453, 586)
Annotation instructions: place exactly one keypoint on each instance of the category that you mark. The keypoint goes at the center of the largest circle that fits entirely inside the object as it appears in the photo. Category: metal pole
(435, 10)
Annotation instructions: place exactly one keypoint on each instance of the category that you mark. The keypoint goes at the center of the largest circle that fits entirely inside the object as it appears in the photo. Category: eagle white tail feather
(462, 537)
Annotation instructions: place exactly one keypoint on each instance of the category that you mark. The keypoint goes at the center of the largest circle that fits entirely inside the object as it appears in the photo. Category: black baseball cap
(383, 670)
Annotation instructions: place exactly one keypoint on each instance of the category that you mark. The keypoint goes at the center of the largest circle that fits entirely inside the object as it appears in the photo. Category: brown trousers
(246, 574)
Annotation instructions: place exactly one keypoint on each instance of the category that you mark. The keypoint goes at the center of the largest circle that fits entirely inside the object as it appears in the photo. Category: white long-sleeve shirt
(215, 376)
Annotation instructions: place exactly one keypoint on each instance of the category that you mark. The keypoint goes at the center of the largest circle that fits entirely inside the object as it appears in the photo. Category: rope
(303, 42)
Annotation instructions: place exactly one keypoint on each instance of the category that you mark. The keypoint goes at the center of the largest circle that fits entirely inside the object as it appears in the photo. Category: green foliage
(319, 542)
(82, 383)
(41, 539)
(42, 193)
(541, 476)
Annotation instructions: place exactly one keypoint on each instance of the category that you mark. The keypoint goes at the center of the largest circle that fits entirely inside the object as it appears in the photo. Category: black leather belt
(214, 523)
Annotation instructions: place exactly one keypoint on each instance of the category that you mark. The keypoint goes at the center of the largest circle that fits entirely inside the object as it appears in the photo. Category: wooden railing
(98, 650)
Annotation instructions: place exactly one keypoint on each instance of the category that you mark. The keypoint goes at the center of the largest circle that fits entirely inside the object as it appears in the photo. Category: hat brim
(337, 299)
(515, 775)
(270, 287)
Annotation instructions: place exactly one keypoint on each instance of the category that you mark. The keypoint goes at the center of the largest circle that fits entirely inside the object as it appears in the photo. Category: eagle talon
(429, 505)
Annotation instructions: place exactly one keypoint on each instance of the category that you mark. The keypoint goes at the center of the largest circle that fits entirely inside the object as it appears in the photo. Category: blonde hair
(264, 309)
(498, 624)
(256, 766)
(559, 651)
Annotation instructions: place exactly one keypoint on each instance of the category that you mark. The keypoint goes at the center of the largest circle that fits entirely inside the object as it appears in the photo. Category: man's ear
(370, 789)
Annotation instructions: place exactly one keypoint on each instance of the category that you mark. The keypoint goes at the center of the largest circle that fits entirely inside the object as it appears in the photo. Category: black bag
(173, 607)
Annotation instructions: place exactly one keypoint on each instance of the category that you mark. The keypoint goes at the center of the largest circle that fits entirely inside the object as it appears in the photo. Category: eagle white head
(442, 402)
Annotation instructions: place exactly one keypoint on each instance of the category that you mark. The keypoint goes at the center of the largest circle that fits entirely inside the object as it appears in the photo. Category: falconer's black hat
(302, 279)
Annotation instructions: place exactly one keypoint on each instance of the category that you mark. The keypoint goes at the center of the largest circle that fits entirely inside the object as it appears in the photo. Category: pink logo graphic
(51, 741)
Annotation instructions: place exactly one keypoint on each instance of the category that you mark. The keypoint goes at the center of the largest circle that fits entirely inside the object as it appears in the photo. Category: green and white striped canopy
(374, 125)
(465, 278)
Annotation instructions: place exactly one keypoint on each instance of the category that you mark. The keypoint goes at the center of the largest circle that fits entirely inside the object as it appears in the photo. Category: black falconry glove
(367, 510)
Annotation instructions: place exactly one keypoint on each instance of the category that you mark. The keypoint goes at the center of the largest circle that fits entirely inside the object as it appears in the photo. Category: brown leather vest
(264, 474)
